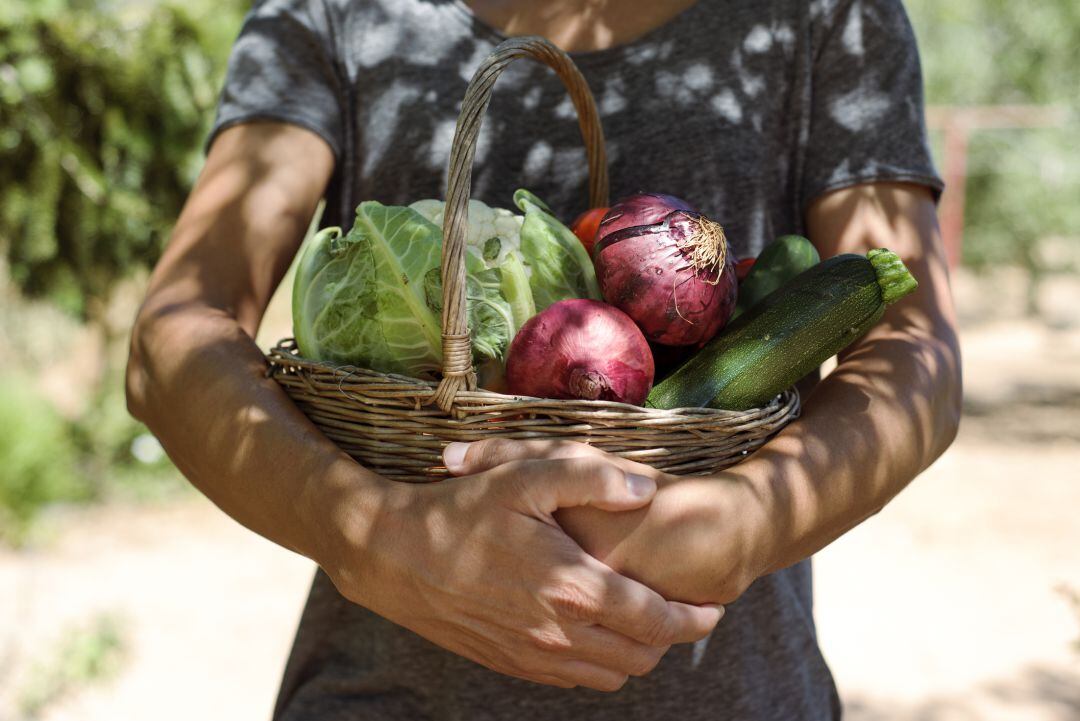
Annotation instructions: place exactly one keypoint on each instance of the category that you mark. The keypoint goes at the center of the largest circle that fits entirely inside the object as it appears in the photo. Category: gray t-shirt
(748, 109)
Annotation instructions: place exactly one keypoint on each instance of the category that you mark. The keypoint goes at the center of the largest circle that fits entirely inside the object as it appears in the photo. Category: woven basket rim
(285, 358)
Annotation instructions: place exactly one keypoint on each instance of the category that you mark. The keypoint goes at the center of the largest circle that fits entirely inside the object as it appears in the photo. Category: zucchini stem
(893, 277)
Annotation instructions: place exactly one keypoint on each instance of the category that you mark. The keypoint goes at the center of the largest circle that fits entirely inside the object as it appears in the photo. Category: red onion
(668, 267)
(580, 348)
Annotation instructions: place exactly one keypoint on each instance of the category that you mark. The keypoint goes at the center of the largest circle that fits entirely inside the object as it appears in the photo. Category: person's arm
(475, 565)
(888, 410)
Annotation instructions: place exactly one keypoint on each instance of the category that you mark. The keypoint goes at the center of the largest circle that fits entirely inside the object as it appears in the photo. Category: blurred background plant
(1022, 184)
(104, 106)
(90, 652)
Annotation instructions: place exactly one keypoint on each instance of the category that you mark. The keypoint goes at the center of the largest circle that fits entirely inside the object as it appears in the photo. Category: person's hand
(479, 566)
(701, 540)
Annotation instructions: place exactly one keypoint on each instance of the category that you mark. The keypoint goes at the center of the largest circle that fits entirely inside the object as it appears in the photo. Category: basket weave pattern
(397, 426)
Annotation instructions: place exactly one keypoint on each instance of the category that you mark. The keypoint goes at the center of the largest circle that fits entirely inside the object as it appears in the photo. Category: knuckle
(732, 588)
(573, 600)
(658, 629)
(737, 590)
(550, 640)
(599, 470)
(516, 470)
(560, 449)
(643, 663)
(523, 663)
(518, 478)
(611, 476)
(551, 681)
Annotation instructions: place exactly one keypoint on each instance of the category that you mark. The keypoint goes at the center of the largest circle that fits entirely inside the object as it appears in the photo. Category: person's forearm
(199, 383)
(892, 405)
(195, 375)
(887, 412)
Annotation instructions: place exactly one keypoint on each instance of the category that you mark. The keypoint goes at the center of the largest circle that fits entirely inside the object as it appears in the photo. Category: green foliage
(87, 654)
(37, 457)
(986, 52)
(103, 110)
(46, 458)
(1023, 188)
(118, 458)
(1022, 184)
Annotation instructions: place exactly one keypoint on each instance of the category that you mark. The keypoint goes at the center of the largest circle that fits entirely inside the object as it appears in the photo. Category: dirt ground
(960, 601)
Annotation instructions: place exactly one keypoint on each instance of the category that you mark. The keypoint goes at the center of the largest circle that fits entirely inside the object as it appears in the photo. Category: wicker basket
(398, 426)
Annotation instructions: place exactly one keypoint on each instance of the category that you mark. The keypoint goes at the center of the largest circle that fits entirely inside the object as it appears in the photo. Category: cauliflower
(485, 223)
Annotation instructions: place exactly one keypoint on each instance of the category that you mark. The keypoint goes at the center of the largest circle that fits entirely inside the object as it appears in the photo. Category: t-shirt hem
(223, 124)
(933, 182)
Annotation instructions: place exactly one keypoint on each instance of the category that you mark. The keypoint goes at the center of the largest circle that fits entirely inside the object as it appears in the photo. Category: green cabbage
(561, 267)
(373, 297)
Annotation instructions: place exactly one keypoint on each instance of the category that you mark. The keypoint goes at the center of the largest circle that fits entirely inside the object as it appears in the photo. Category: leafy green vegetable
(561, 267)
(373, 298)
(516, 289)
(537, 250)
(487, 309)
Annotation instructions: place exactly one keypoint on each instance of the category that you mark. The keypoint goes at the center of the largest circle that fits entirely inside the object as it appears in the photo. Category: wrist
(703, 540)
(746, 517)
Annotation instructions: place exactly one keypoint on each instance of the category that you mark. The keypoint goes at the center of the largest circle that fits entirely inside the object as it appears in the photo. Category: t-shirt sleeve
(867, 117)
(281, 68)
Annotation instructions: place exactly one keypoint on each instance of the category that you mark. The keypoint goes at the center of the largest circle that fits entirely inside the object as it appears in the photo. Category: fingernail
(454, 455)
(640, 486)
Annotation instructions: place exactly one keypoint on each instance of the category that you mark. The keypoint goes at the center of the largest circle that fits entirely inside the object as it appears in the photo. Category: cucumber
(782, 260)
(788, 334)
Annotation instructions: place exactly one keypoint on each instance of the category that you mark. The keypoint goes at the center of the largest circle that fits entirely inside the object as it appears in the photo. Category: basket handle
(457, 346)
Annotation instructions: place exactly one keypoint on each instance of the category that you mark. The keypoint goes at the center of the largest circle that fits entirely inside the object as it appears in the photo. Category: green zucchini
(788, 334)
(779, 262)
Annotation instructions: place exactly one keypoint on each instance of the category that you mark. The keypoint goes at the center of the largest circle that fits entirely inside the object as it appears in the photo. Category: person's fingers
(547, 680)
(615, 651)
(465, 459)
(590, 675)
(513, 666)
(542, 487)
(636, 611)
(695, 622)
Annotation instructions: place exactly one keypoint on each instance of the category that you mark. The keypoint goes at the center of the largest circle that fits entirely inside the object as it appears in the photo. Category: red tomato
(586, 225)
(742, 268)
